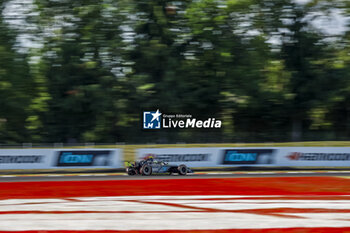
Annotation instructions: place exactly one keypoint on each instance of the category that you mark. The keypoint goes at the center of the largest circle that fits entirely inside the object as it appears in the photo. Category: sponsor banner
(192, 157)
(212, 156)
(25, 158)
(248, 156)
(97, 158)
(314, 156)
(64, 158)
(257, 156)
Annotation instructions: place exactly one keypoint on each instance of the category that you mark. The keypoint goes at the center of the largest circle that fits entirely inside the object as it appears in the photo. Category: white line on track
(173, 213)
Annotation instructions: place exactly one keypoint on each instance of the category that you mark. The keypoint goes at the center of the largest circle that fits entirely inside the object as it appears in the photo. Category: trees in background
(16, 87)
(271, 70)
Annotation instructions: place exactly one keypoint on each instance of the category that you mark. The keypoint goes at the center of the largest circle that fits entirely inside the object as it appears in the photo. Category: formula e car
(150, 166)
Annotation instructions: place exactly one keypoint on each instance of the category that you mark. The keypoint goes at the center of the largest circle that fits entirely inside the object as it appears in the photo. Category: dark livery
(151, 166)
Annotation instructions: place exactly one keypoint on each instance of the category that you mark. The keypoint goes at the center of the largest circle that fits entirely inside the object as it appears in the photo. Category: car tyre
(146, 170)
(131, 171)
(182, 169)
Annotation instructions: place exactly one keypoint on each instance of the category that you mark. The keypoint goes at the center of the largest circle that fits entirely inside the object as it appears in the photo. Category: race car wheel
(131, 171)
(146, 170)
(182, 169)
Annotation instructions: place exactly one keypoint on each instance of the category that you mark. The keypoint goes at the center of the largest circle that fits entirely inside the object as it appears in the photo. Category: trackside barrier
(192, 157)
(314, 156)
(252, 156)
(62, 158)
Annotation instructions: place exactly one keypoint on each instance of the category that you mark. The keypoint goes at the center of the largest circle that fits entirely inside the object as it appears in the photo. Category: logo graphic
(319, 156)
(21, 159)
(294, 156)
(84, 158)
(151, 120)
(158, 120)
(253, 156)
(179, 157)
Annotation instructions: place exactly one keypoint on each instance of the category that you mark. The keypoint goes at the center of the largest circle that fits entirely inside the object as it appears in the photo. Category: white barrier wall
(212, 156)
(314, 156)
(192, 157)
(25, 159)
(249, 156)
(60, 158)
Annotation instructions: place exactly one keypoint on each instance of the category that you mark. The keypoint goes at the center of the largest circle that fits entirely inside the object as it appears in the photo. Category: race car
(151, 166)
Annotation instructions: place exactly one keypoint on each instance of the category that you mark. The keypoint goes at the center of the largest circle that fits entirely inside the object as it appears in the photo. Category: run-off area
(278, 203)
(171, 213)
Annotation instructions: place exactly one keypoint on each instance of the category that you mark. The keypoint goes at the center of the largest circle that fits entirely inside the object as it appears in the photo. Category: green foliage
(16, 87)
(263, 67)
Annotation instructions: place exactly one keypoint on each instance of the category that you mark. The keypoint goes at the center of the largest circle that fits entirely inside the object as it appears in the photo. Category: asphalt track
(86, 177)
